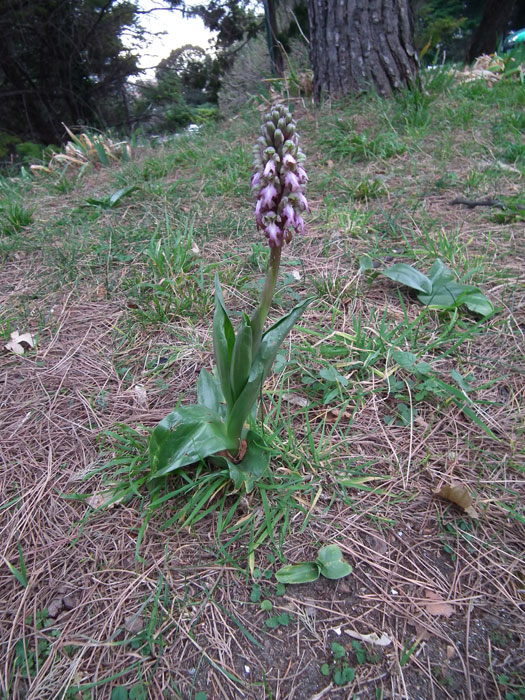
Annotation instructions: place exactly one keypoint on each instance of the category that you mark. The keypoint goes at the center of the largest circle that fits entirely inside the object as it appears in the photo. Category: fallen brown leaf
(421, 632)
(134, 624)
(458, 494)
(435, 605)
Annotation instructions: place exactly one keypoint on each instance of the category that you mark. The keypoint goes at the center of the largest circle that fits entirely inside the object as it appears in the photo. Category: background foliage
(74, 62)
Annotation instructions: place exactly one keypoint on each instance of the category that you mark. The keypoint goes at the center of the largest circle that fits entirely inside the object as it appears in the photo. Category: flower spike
(279, 178)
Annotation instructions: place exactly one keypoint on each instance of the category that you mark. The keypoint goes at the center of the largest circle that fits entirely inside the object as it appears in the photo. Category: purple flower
(289, 215)
(274, 234)
(291, 181)
(270, 169)
(303, 204)
(279, 177)
(301, 174)
(268, 194)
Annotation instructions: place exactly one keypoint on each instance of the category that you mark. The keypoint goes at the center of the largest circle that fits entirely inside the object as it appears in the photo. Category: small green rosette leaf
(241, 358)
(261, 366)
(223, 342)
(298, 573)
(409, 276)
(187, 435)
(331, 563)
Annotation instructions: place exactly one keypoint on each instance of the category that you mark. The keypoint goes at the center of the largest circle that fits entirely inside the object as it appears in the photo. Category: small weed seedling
(338, 667)
(329, 563)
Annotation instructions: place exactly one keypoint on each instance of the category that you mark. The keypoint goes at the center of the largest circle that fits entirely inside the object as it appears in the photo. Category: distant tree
(356, 45)
(63, 61)
(197, 70)
(443, 28)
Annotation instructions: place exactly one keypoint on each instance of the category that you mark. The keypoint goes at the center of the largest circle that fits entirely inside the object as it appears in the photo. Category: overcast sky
(178, 31)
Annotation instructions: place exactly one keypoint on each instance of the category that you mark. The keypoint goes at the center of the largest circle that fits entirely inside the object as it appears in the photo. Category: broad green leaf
(298, 573)
(409, 276)
(439, 274)
(331, 563)
(253, 465)
(209, 393)
(336, 569)
(187, 435)
(453, 294)
(223, 342)
(478, 303)
(261, 366)
(119, 692)
(241, 358)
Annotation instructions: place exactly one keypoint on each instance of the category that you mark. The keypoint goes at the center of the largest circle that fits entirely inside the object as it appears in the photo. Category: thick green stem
(257, 324)
(259, 317)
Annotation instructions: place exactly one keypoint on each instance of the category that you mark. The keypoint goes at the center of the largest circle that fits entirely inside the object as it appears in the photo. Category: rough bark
(494, 22)
(359, 45)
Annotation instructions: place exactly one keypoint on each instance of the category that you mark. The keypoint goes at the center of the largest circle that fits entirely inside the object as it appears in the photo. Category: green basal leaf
(409, 276)
(453, 294)
(223, 342)
(253, 465)
(298, 573)
(241, 358)
(336, 569)
(329, 553)
(209, 393)
(331, 563)
(261, 366)
(187, 435)
(439, 274)
(478, 303)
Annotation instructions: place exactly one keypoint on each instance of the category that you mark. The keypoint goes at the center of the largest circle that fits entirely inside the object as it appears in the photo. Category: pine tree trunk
(358, 45)
(495, 19)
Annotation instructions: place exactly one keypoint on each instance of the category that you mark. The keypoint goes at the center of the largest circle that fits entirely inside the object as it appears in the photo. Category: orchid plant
(220, 427)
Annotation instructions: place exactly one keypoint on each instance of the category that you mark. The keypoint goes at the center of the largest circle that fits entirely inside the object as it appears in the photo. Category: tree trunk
(274, 46)
(496, 17)
(358, 45)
